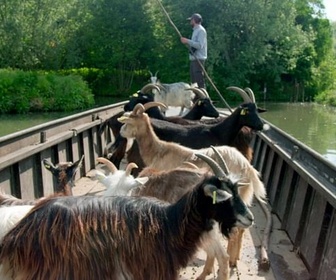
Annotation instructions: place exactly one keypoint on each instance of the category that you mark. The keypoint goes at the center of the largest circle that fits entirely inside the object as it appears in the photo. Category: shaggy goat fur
(133, 238)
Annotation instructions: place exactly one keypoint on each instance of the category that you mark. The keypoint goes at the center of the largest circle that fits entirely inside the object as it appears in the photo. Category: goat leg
(214, 249)
(234, 247)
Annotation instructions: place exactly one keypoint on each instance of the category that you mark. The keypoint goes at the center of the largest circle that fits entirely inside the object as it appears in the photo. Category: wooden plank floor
(285, 264)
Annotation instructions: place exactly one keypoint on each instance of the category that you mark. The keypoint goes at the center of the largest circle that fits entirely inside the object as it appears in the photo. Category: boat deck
(285, 264)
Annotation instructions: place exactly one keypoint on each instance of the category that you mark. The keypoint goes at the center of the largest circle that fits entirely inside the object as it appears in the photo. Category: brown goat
(64, 172)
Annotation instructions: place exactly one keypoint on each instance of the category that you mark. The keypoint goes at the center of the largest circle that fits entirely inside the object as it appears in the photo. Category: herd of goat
(187, 183)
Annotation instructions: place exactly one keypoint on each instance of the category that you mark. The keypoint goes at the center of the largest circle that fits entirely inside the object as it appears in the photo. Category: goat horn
(150, 73)
(108, 163)
(129, 168)
(251, 94)
(149, 87)
(160, 86)
(221, 160)
(217, 170)
(153, 104)
(138, 109)
(188, 164)
(241, 92)
(197, 91)
(79, 162)
(205, 92)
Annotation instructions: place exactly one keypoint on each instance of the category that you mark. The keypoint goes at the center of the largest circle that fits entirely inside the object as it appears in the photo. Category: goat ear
(100, 176)
(49, 165)
(222, 196)
(216, 194)
(123, 119)
(243, 111)
(261, 110)
(142, 180)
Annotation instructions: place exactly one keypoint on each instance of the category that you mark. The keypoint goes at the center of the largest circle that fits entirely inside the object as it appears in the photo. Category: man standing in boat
(198, 50)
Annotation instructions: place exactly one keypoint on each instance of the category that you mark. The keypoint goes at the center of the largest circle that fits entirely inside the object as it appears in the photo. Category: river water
(312, 124)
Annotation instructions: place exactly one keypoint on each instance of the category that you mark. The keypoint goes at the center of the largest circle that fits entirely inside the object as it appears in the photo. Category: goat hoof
(233, 263)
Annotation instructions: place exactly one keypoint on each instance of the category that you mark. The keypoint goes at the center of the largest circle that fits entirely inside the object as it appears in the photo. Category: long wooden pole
(201, 65)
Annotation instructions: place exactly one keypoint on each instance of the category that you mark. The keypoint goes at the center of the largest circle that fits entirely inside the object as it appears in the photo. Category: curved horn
(150, 73)
(241, 92)
(138, 109)
(205, 92)
(251, 94)
(217, 170)
(197, 91)
(221, 160)
(149, 87)
(108, 163)
(188, 164)
(129, 168)
(153, 104)
(156, 73)
(160, 86)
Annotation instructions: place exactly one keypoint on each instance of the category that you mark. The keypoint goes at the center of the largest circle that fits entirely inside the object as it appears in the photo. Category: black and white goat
(133, 238)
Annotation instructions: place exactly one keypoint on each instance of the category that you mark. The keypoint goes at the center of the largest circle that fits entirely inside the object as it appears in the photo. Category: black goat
(198, 136)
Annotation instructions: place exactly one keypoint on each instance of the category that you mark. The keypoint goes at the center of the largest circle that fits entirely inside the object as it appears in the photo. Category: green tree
(33, 32)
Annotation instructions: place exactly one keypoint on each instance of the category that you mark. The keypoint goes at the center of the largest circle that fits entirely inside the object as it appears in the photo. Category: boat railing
(66, 139)
(301, 188)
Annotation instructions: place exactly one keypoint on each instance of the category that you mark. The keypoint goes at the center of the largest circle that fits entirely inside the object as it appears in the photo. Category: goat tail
(258, 186)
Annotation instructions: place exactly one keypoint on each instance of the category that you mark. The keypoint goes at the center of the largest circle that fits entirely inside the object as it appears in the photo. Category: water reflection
(312, 124)
(14, 123)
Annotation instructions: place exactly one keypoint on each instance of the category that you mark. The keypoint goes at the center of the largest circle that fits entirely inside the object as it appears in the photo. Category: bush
(32, 91)
(327, 98)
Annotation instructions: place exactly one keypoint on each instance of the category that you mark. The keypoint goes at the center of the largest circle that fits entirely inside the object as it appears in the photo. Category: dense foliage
(32, 91)
(283, 50)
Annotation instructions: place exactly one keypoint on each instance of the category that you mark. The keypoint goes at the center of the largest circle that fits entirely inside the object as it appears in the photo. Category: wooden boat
(301, 187)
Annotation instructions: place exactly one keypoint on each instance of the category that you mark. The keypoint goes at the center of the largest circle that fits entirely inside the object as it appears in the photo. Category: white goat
(175, 94)
(118, 182)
